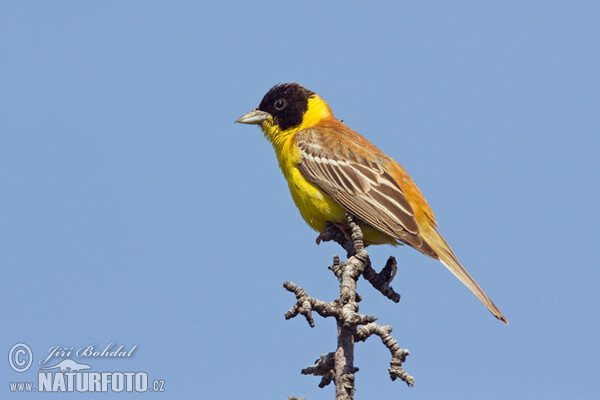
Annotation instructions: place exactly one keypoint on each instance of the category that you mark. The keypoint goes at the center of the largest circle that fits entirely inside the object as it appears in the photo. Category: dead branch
(351, 325)
(398, 354)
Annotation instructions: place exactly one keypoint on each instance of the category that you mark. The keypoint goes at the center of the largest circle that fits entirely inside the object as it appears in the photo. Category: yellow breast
(314, 205)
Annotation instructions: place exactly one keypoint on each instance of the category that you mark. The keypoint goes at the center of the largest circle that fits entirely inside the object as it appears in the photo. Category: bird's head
(287, 108)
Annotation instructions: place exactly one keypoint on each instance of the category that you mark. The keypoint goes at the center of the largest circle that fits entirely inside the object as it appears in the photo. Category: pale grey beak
(254, 117)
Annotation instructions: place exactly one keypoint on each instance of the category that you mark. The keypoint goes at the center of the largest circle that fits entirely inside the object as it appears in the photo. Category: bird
(332, 170)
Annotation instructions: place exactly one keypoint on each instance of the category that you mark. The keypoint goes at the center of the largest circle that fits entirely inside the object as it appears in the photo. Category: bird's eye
(280, 104)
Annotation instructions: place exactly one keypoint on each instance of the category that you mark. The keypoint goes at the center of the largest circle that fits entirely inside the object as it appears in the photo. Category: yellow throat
(314, 205)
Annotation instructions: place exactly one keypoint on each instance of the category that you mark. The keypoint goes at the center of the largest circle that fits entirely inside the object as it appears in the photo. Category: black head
(287, 103)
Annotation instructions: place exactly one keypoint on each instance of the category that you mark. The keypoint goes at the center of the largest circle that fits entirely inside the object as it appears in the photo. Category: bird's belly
(317, 209)
(315, 206)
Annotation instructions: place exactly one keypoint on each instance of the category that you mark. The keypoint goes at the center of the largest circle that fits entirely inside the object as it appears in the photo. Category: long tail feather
(447, 257)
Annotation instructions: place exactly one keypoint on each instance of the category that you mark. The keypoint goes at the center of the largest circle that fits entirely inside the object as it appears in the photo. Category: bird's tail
(447, 257)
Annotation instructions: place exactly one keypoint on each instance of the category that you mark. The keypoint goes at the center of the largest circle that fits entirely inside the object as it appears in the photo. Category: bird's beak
(254, 117)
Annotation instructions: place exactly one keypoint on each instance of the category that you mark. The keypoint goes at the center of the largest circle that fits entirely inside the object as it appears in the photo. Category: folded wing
(361, 185)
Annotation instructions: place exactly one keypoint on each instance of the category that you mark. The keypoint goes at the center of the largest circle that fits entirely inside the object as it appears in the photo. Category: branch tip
(352, 327)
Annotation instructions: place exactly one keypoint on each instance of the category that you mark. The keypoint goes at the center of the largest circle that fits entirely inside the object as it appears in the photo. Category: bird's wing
(359, 183)
(363, 180)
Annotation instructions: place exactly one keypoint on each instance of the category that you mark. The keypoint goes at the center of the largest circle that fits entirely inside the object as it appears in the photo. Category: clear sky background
(133, 210)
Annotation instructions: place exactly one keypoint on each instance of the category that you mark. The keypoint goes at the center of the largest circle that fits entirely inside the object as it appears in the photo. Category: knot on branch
(346, 383)
(350, 317)
(323, 367)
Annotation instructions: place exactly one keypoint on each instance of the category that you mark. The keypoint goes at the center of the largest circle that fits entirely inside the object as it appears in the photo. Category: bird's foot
(339, 233)
(344, 229)
(319, 238)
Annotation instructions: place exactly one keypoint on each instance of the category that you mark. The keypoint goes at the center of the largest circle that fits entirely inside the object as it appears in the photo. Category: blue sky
(133, 210)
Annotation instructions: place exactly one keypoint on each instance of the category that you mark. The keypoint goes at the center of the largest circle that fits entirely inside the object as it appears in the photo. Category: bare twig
(398, 354)
(305, 304)
(380, 281)
(323, 367)
(351, 326)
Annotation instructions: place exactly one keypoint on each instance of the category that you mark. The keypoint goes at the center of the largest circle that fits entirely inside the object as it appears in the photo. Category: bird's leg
(325, 233)
(344, 229)
(320, 237)
(338, 233)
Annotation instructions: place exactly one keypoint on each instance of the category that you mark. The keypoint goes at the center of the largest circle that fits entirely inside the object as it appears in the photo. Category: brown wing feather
(375, 188)
(362, 186)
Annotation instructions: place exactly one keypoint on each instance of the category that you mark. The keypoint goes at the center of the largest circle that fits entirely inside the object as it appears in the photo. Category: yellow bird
(332, 170)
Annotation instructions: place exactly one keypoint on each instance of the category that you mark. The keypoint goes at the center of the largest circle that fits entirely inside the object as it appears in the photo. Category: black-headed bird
(332, 170)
